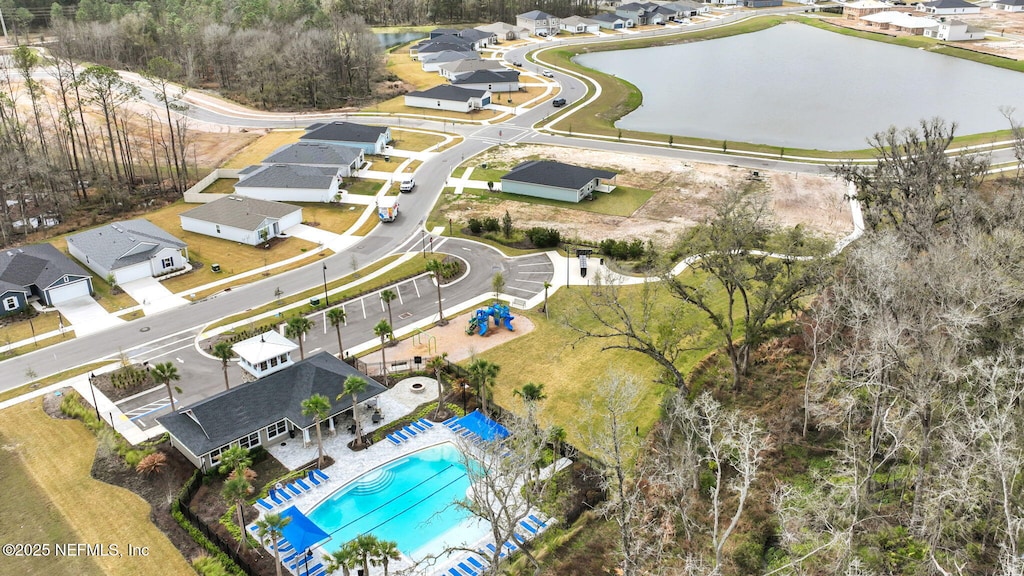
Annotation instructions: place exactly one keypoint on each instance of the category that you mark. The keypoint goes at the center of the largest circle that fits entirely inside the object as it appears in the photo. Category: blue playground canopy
(301, 531)
(483, 426)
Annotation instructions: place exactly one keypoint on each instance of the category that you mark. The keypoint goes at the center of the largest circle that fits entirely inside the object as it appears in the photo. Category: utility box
(215, 267)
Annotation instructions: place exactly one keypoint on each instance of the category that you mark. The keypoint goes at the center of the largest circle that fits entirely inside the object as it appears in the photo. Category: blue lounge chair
(394, 440)
(528, 528)
(454, 572)
(293, 489)
(312, 478)
(402, 437)
(450, 421)
(476, 563)
(426, 422)
(540, 523)
(320, 571)
(302, 484)
(284, 546)
(410, 431)
(320, 474)
(494, 549)
(419, 427)
(283, 494)
(511, 547)
(312, 570)
(465, 568)
(290, 557)
(265, 505)
(275, 498)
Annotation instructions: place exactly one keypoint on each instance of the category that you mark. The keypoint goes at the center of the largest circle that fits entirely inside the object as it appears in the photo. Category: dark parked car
(558, 102)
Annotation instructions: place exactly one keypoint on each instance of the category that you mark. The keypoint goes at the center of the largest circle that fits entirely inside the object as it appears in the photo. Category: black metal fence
(228, 548)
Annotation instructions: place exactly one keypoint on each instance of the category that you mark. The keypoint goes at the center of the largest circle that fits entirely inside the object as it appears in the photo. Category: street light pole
(464, 388)
(96, 406)
(327, 299)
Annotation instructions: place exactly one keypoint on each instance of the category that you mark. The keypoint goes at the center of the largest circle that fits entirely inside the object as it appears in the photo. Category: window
(250, 441)
(215, 455)
(167, 262)
(263, 366)
(275, 430)
(10, 303)
(273, 361)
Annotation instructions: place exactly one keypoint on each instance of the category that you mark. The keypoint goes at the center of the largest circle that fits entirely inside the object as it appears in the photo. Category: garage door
(68, 291)
(127, 274)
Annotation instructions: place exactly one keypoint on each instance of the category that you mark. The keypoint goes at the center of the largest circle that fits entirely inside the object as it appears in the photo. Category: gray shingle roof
(290, 176)
(238, 412)
(240, 212)
(606, 17)
(315, 153)
(471, 65)
(38, 265)
(110, 245)
(448, 56)
(435, 47)
(950, 4)
(448, 92)
(486, 76)
(631, 7)
(474, 35)
(343, 132)
(535, 15)
(1010, 2)
(557, 174)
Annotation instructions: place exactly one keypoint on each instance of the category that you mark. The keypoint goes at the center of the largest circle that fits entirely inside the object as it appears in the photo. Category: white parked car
(407, 185)
(547, 73)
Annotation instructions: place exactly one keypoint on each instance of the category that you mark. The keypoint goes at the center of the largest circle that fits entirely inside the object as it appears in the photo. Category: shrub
(475, 225)
(209, 566)
(623, 250)
(491, 224)
(544, 237)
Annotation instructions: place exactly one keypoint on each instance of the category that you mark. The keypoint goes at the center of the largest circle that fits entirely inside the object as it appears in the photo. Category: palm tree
(435, 267)
(557, 438)
(272, 525)
(235, 491)
(164, 373)
(531, 394)
(345, 558)
(366, 546)
(483, 373)
(297, 328)
(224, 352)
(234, 458)
(336, 316)
(384, 553)
(319, 407)
(547, 285)
(437, 363)
(382, 330)
(353, 386)
(387, 296)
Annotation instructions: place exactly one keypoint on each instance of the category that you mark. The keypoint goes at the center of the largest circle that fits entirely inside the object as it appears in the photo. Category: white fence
(194, 194)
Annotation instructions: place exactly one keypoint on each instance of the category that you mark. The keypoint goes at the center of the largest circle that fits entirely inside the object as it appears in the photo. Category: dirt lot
(997, 24)
(681, 192)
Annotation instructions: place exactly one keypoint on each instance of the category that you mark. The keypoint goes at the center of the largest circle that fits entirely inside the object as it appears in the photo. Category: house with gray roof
(504, 31)
(480, 37)
(290, 183)
(450, 69)
(264, 411)
(555, 180)
(580, 25)
(491, 80)
(688, 9)
(129, 250)
(40, 271)
(948, 7)
(1009, 5)
(447, 97)
(538, 23)
(612, 21)
(639, 13)
(348, 159)
(241, 219)
(442, 43)
(371, 139)
(432, 62)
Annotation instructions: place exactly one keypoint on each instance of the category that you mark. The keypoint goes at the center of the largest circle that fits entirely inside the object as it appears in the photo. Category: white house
(129, 250)
(493, 81)
(949, 7)
(448, 97)
(954, 31)
(290, 183)
(241, 219)
(612, 21)
(1009, 5)
(265, 354)
(687, 9)
(452, 69)
(539, 23)
(371, 139)
(348, 159)
(505, 31)
(580, 25)
(900, 21)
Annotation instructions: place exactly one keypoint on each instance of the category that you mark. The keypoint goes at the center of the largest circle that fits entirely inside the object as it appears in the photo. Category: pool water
(409, 501)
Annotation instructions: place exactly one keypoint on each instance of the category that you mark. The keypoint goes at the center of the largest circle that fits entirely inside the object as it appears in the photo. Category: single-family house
(948, 7)
(481, 38)
(612, 21)
(129, 250)
(442, 43)
(348, 159)
(450, 69)
(442, 32)
(580, 25)
(241, 219)
(371, 139)
(724, 2)
(687, 9)
(553, 180)
(633, 11)
(761, 3)
(504, 31)
(1009, 5)
(264, 354)
(290, 183)
(660, 13)
(490, 80)
(900, 22)
(539, 23)
(860, 8)
(447, 97)
(432, 62)
(263, 411)
(954, 31)
(42, 271)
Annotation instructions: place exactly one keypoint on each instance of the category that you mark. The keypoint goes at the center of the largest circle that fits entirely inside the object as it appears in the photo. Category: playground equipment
(500, 314)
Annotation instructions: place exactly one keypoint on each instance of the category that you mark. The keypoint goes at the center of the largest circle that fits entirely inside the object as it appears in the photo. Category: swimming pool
(408, 501)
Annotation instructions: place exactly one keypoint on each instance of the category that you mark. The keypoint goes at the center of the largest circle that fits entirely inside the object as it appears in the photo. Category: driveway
(335, 242)
(152, 295)
(87, 316)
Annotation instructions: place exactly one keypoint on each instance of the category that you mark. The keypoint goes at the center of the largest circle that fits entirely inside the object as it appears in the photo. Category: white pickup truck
(387, 208)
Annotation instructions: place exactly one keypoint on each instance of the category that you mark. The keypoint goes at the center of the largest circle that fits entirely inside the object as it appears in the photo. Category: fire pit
(417, 387)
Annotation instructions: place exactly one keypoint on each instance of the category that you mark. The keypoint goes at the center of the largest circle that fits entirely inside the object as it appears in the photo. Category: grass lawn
(337, 218)
(415, 141)
(52, 379)
(23, 329)
(260, 149)
(39, 344)
(411, 71)
(412, 166)
(364, 186)
(367, 226)
(221, 186)
(57, 456)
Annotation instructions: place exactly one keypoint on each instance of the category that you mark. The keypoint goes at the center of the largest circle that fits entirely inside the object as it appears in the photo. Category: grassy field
(39, 344)
(23, 329)
(53, 379)
(56, 457)
(221, 186)
(260, 149)
(411, 71)
(337, 218)
(416, 141)
(363, 186)
(623, 201)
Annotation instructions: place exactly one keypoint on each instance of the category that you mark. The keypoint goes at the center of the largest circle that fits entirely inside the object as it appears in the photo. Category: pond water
(391, 39)
(798, 86)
